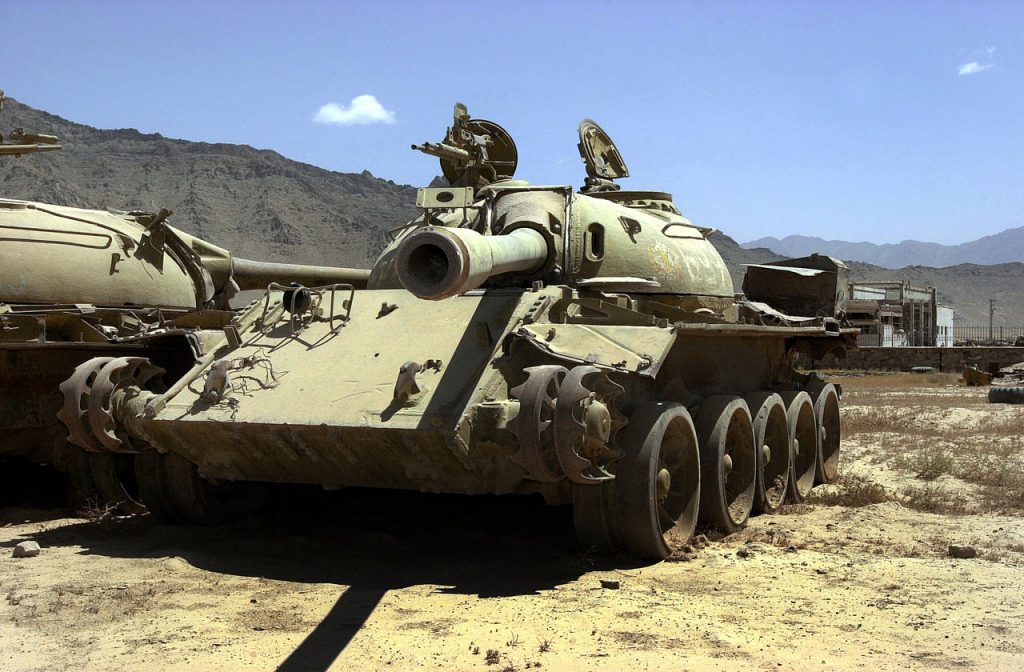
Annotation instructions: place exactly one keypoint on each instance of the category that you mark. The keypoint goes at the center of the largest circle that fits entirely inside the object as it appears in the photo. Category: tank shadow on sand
(369, 542)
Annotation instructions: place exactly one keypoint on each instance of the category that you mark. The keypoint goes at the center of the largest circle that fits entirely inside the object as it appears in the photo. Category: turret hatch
(602, 158)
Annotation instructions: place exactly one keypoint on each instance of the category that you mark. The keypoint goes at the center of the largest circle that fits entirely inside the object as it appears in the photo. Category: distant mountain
(737, 257)
(261, 205)
(965, 287)
(1000, 248)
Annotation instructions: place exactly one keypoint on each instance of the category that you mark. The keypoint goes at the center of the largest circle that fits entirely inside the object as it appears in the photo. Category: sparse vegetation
(492, 657)
(932, 498)
(852, 491)
(939, 438)
(927, 464)
(95, 511)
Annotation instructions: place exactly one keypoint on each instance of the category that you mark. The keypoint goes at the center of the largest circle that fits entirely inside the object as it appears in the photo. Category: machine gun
(26, 143)
(474, 152)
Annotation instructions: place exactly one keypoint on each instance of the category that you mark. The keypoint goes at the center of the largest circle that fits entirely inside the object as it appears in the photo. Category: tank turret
(489, 230)
(112, 259)
(80, 283)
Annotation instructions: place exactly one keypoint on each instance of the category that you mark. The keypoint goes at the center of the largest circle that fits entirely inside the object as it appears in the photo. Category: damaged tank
(585, 345)
(76, 284)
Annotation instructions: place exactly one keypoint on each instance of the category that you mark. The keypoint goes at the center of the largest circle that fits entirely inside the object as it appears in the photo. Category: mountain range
(1004, 247)
(256, 203)
(262, 205)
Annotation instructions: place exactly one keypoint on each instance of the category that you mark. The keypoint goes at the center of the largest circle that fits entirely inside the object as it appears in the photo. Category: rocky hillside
(261, 205)
(254, 202)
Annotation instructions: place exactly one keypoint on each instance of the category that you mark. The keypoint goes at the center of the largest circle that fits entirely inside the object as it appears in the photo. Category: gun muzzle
(438, 262)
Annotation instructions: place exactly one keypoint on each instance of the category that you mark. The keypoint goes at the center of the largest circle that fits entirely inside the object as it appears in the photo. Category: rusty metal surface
(814, 286)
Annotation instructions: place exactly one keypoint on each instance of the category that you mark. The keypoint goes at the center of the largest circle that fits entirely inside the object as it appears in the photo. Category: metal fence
(979, 333)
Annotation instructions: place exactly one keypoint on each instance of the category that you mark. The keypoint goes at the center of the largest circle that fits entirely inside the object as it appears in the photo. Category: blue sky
(843, 120)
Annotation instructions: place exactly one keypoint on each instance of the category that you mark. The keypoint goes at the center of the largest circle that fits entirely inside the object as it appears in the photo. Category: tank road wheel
(199, 501)
(728, 463)
(591, 516)
(658, 480)
(174, 492)
(773, 450)
(153, 488)
(84, 492)
(803, 431)
(825, 398)
(75, 462)
(113, 476)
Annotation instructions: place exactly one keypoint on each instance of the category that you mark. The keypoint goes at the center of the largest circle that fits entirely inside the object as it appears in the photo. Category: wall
(944, 359)
(944, 327)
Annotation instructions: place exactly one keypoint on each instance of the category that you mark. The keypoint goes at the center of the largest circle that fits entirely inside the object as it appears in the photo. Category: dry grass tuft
(926, 463)
(851, 491)
(931, 498)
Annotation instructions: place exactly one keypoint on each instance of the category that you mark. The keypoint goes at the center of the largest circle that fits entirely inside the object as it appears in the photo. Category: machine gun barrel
(249, 274)
(438, 262)
(443, 151)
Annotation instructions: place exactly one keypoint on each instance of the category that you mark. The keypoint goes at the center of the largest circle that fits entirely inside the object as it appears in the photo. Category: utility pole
(991, 313)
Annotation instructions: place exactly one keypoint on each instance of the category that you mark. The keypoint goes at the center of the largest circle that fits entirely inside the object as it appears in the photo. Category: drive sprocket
(533, 425)
(77, 390)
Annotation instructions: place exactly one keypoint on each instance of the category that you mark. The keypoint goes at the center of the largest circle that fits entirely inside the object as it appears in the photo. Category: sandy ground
(402, 581)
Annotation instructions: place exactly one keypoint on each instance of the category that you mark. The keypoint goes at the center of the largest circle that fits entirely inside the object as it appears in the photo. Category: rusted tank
(584, 345)
(76, 284)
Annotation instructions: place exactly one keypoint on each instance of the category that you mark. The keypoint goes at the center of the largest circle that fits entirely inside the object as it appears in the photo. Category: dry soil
(858, 579)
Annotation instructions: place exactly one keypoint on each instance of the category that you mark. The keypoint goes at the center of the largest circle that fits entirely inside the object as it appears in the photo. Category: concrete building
(896, 314)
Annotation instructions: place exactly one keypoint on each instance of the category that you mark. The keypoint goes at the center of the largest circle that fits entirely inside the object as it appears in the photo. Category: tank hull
(318, 405)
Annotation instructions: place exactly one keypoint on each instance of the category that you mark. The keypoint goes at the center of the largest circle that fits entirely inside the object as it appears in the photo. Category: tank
(76, 284)
(584, 345)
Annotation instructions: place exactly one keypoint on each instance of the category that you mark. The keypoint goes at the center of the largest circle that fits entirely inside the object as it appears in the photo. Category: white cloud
(990, 50)
(365, 109)
(973, 68)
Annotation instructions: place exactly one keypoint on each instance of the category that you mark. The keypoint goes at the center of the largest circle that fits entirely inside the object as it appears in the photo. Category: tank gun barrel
(438, 262)
(17, 150)
(22, 136)
(249, 274)
(19, 142)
